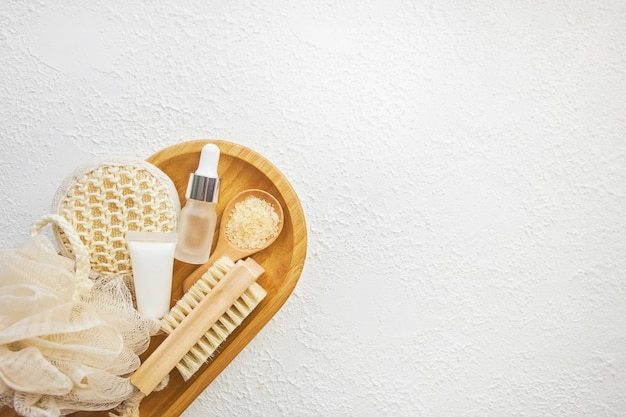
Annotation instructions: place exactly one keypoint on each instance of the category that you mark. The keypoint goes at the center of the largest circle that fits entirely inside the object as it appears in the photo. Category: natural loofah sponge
(105, 200)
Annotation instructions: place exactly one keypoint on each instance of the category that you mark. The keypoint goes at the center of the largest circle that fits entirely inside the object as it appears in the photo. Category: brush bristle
(225, 325)
(205, 347)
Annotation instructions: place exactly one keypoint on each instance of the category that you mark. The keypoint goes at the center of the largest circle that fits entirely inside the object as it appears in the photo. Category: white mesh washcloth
(105, 200)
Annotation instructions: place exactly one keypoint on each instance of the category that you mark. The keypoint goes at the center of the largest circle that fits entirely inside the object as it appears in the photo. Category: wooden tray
(240, 168)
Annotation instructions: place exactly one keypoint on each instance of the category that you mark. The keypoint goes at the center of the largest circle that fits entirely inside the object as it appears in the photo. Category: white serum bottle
(196, 223)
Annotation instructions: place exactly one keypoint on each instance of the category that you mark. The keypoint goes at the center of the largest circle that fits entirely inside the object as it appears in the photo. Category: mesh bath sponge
(103, 201)
(67, 342)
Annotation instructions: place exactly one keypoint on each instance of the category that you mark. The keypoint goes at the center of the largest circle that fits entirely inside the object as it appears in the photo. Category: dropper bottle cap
(204, 183)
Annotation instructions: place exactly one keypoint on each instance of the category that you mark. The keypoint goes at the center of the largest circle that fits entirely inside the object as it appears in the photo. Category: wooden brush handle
(195, 325)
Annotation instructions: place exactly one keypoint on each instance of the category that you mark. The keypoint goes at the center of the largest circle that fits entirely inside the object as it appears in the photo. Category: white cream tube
(152, 257)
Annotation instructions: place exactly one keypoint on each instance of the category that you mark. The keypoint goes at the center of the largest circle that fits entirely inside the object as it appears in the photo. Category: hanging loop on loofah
(81, 254)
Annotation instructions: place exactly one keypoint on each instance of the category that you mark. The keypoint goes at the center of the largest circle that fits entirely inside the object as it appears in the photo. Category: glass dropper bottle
(196, 223)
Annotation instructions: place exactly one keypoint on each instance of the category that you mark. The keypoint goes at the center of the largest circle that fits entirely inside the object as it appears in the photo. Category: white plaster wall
(462, 166)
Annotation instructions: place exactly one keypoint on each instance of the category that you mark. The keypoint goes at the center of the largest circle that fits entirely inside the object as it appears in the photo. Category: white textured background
(461, 166)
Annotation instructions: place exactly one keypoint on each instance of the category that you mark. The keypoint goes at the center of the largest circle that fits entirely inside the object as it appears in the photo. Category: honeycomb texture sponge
(105, 200)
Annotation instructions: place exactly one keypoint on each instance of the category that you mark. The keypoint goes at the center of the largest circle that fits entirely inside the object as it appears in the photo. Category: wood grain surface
(239, 168)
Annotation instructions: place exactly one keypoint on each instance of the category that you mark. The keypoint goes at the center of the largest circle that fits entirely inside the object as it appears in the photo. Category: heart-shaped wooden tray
(239, 168)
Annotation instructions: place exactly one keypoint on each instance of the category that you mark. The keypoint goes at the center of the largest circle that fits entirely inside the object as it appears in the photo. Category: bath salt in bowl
(251, 223)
